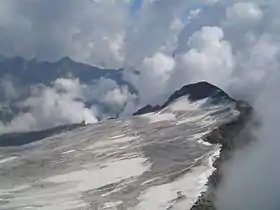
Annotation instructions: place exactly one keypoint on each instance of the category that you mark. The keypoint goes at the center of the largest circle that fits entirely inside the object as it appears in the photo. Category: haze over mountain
(34, 94)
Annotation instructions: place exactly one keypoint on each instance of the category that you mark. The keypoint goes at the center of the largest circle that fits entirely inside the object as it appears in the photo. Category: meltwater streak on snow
(69, 151)
(135, 163)
(8, 159)
(158, 117)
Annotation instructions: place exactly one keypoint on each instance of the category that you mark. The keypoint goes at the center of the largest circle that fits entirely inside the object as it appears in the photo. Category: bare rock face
(19, 139)
(158, 160)
(194, 92)
(232, 136)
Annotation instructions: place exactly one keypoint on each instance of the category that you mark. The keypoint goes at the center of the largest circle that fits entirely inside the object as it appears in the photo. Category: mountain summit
(193, 92)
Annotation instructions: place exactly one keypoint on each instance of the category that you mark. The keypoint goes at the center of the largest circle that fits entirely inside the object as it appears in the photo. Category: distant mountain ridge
(23, 138)
(24, 74)
(33, 71)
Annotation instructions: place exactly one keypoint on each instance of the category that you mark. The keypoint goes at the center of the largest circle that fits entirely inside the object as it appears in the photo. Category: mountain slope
(158, 160)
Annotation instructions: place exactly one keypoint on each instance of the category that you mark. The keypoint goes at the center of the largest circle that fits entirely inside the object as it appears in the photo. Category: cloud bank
(65, 101)
(233, 44)
(229, 43)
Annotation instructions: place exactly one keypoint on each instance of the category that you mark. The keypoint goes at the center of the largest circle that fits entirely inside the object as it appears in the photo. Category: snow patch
(199, 135)
(200, 141)
(68, 152)
(92, 178)
(112, 205)
(183, 104)
(190, 187)
(117, 137)
(160, 117)
(109, 143)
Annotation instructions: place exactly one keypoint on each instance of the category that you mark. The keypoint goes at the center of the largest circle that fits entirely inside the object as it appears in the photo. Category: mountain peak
(198, 91)
(194, 92)
(66, 59)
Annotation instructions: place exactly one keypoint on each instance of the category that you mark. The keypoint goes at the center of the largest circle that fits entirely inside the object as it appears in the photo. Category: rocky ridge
(230, 135)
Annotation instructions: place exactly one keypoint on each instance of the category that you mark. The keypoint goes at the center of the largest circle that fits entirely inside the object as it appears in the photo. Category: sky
(233, 44)
(136, 5)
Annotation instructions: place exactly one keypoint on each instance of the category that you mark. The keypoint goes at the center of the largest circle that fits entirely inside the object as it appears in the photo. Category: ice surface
(151, 162)
(189, 187)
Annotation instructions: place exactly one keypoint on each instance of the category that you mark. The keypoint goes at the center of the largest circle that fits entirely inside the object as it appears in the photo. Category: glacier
(155, 161)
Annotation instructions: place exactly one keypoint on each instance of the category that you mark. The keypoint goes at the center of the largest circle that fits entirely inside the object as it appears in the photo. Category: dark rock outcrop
(28, 72)
(18, 139)
(199, 91)
(232, 136)
(147, 109)
(194, 92)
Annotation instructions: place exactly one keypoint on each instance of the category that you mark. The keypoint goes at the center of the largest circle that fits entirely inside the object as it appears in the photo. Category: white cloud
(210, 58)
(117, 98)
(248, 13)
(252, 177)
(80, 29)
(60, 104)
(68, 101)
(153, 79)
(7, 89)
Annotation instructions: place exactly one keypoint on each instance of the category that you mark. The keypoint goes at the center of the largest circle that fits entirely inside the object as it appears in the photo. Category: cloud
(229, 43)
(68, 101)
(53, 29)
(110, 98)
(252, 177)
(247, 13)
(84, 30)
(116, 98)
(152, 82)
(209, 58)
(7, 89)
(62, 103)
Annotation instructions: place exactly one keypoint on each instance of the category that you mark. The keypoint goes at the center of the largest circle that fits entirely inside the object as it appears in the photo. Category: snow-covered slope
(155, 161)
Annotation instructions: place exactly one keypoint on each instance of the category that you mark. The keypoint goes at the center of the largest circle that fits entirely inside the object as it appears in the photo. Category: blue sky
(136, 4)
